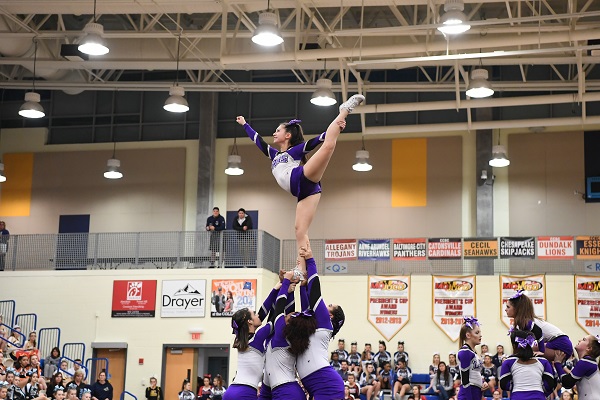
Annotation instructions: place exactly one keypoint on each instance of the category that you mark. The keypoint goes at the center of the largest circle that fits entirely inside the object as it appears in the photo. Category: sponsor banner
(410, 249)
(230, 295)
(340, 250)
(134, 298)
(453, 298)
(183, 298)
(336, 268)
(587, 300)
(374, 250)
(587, 247)
(444, 249)
(555, 247)
(592, 266)
(534, 287)
(517, 247)
(480, 248)
(389, 303)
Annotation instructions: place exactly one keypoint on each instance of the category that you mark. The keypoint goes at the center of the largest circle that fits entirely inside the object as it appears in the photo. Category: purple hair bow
(305, 313)
(510, 330)
(471, 322)
(517, 295)
(294, 121)
(235, 327)
(528, 341)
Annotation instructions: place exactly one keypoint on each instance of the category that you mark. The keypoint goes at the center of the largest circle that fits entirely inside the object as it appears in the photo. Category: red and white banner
(134, 298)
(453, 298)
(410, 249)
(587, 300)
(534, 287)
(389, 306)
(555, 248)
(340, 250)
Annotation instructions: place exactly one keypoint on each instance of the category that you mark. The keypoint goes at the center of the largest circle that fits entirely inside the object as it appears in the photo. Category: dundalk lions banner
(389, 303)
(453, 298)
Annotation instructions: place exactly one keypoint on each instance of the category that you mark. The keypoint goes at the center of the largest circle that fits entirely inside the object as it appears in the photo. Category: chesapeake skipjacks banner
(444, 249)
(389, 298)
(517, 247)
(340, 249)
(555, 248)
(587, 300)
(534, 286)
(410, 249)
(453, 298)
(374, 250)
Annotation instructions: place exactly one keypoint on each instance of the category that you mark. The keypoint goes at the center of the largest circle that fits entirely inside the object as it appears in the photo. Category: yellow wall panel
(409, 172)
(15, 195)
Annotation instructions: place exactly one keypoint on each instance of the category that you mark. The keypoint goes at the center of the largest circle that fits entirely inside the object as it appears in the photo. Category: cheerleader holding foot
(291, 169)
(585, 374)
(549, 337)
(471, 385)
(526, 377)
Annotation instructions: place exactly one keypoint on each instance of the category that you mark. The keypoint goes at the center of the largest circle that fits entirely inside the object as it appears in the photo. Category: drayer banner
(480, 248)
(134, 298)
(374, 250)
(444, 249)
(587, 298)
(453, 298)
(183, 298)
(410, 249)
(587, 247)
(230, 295)
(517, 247)
(534, 287)
(340, 250)
(389, 303)
(555, 247)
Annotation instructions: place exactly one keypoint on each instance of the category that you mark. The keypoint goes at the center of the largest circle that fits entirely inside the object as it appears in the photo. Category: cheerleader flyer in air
(534, 286)
(453, 298)
(389, 306)
(230, 295)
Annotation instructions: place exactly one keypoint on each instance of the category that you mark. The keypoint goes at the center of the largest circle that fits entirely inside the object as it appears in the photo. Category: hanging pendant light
(93, 43)
(176, 101)
(113, 165)
(479, 86)
(499, 158)
(32, 107)
(2, 176)
(267, 34)
(362, 159)
(233, 161)
(323, 96)
(454, 20)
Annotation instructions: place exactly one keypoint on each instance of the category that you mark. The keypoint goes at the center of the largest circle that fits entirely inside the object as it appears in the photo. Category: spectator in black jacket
(154, 392)
(102, 389)
(242, 224)
(215, 224)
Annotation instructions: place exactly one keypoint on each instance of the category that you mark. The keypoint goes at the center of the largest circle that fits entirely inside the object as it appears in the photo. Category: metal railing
(202, 249)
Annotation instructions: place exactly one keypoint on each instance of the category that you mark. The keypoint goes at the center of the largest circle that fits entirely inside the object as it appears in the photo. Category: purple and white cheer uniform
(527, 381)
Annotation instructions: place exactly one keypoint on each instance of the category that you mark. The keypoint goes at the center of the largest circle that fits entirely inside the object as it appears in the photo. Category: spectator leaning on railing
(4, 235)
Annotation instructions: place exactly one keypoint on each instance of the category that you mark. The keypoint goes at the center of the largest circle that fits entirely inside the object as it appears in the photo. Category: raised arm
(315, 298)
(256, 138)
(268, 303)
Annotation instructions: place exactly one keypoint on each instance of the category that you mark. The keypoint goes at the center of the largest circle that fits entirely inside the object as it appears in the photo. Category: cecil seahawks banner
(534, 287)
(453, 298)
(587, 298)
(374, 250)
(389, 303)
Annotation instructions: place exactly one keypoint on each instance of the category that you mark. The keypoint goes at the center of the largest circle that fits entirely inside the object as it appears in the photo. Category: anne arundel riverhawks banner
(534, 287)
(374, 250)
(453, 298)
(389, 303)
(339, 250)
(587, 297)
(555, 247)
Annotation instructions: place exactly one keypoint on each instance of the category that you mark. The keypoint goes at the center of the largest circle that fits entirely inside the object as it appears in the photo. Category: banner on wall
(374, 250)
(587, 247)
(183, 298)
(444, 249)
(517, 247)
(587, 300)
(410, 249)
(555, 247)
(134, 298)
(389, 303)
(480, 248)
(534, 287)
(231, 295)
(340, 250)
(453, 298)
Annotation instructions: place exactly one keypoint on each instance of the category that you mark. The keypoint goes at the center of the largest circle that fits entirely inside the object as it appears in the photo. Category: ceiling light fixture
(267, 33)
(32, 107)
(499, 158)
(176, 102)
(362, 159)
(479, 87)
(323, 96)
(233, 161)
(2, 176)
(454, 20)
(93, 43)
(113, 165)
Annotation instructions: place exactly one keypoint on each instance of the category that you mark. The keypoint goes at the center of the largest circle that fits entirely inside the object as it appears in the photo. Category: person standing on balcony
(215, 224)
(242, 224)
(4, 235)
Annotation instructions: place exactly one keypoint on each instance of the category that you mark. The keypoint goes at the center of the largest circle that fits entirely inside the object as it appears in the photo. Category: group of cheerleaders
(292, 347)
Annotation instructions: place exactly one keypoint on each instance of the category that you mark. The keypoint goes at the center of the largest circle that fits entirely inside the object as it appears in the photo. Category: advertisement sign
(555, 247)
(389, 303)
(587, 247)
(134, 298)
(340, 250)
(534, 287)
(336, 268)
(410, 249)
(444, 249)
(183, 298)
(230, 295)
(480, 248)
(587, 300)
(517, 247)
(453, 298)
(374, 250)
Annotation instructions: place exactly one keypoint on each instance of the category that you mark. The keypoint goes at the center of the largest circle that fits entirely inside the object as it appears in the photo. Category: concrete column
(485, 187)
(206, 157)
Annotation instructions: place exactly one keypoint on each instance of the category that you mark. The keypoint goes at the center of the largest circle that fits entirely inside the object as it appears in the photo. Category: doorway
(117, 360)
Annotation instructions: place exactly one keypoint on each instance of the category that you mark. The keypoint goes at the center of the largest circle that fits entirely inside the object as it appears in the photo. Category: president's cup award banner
(389, 303)
(453, 298)
(587, 300)
(533, 286)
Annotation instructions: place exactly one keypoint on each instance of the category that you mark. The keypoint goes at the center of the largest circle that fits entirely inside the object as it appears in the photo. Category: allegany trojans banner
(185, 298)
(453, 298)
(389, 303)
(340, 250)
(534, 287)
(230, 295)
(587, 298)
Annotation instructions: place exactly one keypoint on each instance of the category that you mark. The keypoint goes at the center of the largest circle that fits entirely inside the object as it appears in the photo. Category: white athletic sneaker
(352, 102)
(298, 275)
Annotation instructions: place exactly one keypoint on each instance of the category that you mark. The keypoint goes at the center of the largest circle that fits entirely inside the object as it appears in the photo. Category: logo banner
(374, 250)
(230, 295)
(587, 298)
(389, 306)
(444, 249)
(453, 298)
(517, 247)
(183, 298)
(340, 250)
(534, 287)
(410, 249)
(134, 298)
